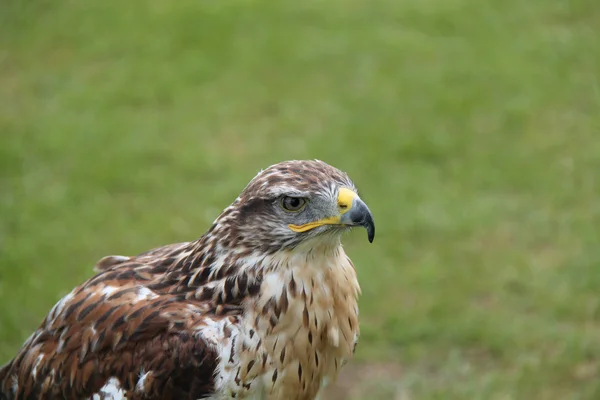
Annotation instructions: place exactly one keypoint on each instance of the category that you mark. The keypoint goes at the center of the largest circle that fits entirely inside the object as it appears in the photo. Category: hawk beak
(355, 212)
(352, 212)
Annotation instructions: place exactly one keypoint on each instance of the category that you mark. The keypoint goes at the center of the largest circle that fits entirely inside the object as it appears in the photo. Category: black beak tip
(369, 224)
(371, 233)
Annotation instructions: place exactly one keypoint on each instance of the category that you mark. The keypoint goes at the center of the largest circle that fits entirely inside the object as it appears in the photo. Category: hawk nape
(262, 306)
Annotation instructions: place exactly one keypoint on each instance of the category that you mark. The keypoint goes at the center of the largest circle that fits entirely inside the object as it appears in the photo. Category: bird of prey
(262, 306)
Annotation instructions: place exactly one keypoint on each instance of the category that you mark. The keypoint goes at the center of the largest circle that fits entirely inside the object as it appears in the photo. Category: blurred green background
(471, 128)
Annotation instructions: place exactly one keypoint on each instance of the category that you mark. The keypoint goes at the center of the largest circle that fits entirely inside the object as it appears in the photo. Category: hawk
(262, 306)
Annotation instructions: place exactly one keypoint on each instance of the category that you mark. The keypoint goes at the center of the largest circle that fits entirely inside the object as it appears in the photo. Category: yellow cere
(345, 199)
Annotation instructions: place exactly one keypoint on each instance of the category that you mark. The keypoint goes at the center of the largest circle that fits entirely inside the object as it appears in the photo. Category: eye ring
(292, 204)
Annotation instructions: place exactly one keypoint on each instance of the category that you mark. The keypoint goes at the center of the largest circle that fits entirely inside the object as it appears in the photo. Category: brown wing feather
(111, 261)
(113, 326)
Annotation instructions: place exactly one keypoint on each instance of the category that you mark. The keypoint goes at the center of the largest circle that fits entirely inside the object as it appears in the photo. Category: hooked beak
(357, 214)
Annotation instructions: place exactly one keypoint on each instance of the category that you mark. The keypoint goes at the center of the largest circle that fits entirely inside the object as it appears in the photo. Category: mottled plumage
(262, 306)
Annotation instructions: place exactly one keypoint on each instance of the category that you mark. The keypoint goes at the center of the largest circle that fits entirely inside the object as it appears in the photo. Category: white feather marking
(212, 331)
(62, 341)
(108, 290)
(183, 254)
(15, 384)
(140, 386)
(110, 391)
(225, 376)
(58, 307)
(143, 293)
(37, 363)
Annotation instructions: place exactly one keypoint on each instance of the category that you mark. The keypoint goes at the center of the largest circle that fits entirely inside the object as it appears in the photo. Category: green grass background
(470, 126)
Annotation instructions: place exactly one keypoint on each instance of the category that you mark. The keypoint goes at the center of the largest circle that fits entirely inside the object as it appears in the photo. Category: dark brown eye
(292, 203)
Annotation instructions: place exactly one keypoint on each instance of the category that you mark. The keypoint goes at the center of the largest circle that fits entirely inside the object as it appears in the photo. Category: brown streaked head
(295, 201)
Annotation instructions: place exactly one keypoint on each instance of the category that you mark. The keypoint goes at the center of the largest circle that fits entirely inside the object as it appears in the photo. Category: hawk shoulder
(123, 333)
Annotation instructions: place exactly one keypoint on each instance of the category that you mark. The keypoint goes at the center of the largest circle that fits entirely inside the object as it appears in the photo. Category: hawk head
(293, 202)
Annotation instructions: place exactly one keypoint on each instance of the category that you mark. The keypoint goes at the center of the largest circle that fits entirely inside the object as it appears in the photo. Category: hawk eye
(293, 204)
